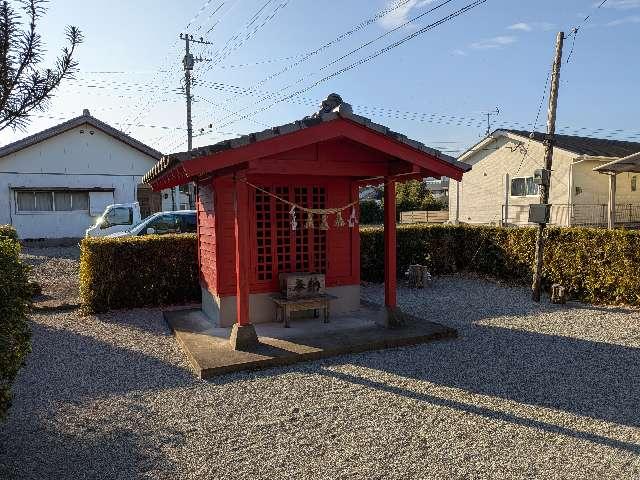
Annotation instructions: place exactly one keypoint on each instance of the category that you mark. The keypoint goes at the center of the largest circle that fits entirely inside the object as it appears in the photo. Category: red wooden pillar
(390, 296)
(241, 217)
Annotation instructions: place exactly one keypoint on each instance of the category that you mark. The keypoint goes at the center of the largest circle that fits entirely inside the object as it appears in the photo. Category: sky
(265, 57)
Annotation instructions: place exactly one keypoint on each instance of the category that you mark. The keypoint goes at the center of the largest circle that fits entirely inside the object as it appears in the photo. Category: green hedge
(596, 265)
(140, 271)
(7, 231)
(15, 297)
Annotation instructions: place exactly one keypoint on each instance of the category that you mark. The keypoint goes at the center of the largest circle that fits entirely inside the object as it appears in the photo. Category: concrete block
(243, 337)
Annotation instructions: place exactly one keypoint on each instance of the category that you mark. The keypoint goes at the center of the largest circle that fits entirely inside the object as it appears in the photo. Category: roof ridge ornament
(333, 103)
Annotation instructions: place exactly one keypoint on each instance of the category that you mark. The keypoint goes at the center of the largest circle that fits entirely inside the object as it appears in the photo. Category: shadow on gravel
(82, 368)
(485, 412)
(586, 378)
(65, 371)
(117, 454)
(129, 319)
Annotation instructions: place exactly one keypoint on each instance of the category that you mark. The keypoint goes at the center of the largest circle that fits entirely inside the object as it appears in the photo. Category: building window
(523, 187)
(51, 201)
(634, 183)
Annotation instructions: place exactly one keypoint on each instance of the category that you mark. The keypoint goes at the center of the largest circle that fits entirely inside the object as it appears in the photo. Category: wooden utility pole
(548, 160)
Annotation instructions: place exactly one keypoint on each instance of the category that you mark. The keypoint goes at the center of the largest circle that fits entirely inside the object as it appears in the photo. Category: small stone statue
(419, 276)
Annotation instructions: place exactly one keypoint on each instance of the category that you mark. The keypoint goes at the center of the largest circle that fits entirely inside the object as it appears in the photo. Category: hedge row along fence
(596, 265)
(138, 271)
(15, 297)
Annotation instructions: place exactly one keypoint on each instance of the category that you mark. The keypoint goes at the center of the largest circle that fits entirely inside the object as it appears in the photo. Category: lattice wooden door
(280, 249)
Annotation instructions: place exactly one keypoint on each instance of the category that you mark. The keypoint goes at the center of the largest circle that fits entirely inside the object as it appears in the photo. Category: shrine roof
(333, 108)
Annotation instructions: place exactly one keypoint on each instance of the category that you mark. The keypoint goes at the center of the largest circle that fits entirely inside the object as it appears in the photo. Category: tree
(371, 212)
(24, 87)
(414, 195)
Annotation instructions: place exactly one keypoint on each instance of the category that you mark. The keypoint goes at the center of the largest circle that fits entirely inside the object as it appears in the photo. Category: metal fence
(583, 215)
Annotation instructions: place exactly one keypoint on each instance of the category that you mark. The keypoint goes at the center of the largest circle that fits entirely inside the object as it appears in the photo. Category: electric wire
(575, 30)
(310, 54)
(303, 78)
(236, 41)
(362, 61)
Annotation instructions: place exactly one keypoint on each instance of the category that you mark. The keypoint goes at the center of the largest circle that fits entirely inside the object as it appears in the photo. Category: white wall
(483, 190)
(595, 186)
(73, 160)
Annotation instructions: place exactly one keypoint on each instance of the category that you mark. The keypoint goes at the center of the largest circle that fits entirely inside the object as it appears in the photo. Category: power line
(301, 79)
(202, 9)
(236, 41)
(535, 123)
(366, 59)
(163, 127)
(124, 87)
(220, 18)
(363, 24)
(575, 30)
(171, 70)
(423, 117)
(261, 62)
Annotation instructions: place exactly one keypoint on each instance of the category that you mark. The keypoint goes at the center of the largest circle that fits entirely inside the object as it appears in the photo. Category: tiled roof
(332, 108)
(593, 147)
(85, 118)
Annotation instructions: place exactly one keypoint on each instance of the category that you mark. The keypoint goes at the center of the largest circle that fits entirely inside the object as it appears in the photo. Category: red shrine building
(256, 198)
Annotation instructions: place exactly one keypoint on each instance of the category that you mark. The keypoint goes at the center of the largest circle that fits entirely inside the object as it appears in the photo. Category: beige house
(500, 187)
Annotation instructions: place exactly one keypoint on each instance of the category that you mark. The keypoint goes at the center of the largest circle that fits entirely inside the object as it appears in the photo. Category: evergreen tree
(24, 87)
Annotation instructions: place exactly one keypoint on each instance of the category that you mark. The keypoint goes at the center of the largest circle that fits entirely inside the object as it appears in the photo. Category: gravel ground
(527, 391)
(56, 270)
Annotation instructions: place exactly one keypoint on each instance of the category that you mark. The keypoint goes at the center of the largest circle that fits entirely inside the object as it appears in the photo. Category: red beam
(241, 219)
(390, 275)
(332, 168)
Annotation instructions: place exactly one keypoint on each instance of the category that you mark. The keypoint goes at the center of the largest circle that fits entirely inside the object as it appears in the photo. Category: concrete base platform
(210, 353)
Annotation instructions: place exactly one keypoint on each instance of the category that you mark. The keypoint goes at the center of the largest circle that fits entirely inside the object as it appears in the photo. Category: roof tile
(589, 146)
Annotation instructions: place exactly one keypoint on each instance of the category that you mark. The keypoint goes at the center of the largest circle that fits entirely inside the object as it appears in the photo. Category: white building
(55, 183)
(500, 187)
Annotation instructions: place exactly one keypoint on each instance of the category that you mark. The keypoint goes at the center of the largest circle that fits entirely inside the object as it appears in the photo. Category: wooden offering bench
(284, 306)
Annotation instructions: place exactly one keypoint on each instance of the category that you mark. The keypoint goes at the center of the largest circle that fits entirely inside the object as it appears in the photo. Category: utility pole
(544, 176)
(188, 63)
